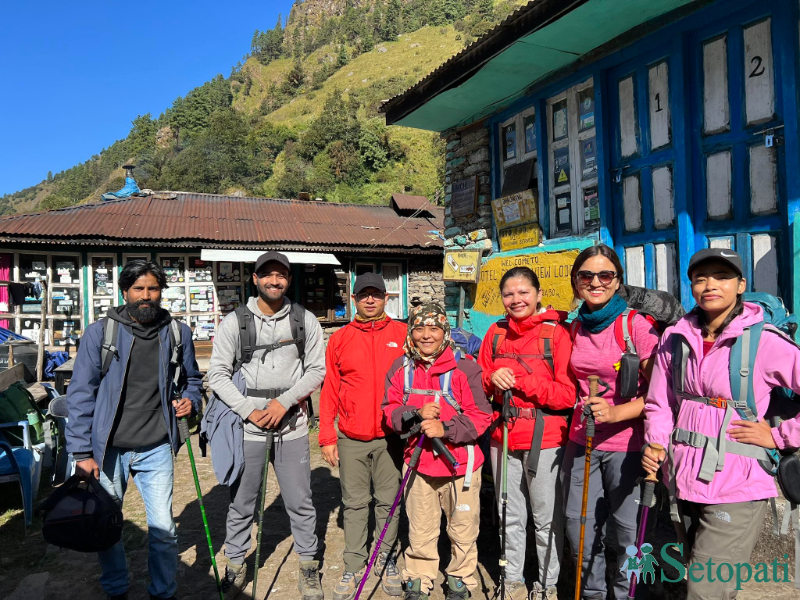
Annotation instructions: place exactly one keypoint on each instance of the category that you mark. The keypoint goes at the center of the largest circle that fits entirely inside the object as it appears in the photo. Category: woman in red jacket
(413, 384)
(528, 353)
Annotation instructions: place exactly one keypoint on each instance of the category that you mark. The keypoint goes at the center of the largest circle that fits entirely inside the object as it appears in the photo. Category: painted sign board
(462, 265)
(515, 209)
(552, 268)
(523, 236)
(464, 198)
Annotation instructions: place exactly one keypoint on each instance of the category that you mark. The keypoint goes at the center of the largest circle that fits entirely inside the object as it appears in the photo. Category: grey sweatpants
(293, 470)
(543, 492)
(612, 493)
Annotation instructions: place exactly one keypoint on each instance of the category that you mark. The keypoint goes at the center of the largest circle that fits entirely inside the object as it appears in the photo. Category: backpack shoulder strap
(546, 333)
(297, 323)
(247, 336)
(573, 328)
(445, 384)
(743, 357)
(622, 330)
(680, 358)
(408, 378)
(500, 331)
(175, 356)
(109, 349)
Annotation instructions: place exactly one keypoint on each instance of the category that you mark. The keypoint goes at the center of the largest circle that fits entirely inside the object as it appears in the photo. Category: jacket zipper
(116, 407)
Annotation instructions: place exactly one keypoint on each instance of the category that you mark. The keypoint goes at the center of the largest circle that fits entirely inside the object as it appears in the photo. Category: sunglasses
(587, 277)
(375, 296)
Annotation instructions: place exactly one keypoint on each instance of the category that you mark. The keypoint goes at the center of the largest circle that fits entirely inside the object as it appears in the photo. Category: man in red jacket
(357, 359)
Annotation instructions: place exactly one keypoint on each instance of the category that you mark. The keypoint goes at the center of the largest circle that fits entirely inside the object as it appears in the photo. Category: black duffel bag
(82, 516)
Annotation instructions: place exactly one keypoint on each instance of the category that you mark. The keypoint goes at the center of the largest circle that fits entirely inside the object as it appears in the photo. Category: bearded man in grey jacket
(278, 384)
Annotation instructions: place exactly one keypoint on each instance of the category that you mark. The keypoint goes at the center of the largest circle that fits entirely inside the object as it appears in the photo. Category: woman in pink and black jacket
(722, 490)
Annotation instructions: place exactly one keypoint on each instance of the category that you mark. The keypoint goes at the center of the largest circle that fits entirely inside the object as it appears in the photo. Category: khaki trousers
(426, 498)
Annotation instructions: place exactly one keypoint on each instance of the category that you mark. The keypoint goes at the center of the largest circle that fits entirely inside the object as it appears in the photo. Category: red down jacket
(535, 390)
(463, 428)
(356, 361)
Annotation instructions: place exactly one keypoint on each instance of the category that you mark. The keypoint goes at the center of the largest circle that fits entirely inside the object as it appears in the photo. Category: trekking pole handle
(594, 389)
(183, 429)
(439, 446)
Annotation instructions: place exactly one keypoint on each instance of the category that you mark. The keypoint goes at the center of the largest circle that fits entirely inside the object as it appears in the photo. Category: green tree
(454, 10)
(49, 177)
(338, 121)
(294, 79)
(342, 58)
(485, 9)
(391, 23)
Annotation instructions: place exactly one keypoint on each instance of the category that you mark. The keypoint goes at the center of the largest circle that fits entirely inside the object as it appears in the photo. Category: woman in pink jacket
(714, 469)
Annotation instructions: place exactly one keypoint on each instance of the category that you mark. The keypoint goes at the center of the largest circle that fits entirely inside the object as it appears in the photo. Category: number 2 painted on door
(756, 60)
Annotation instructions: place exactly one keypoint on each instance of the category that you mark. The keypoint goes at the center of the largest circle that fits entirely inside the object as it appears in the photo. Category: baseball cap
(366, 280)
(725, 255)
(272, 256)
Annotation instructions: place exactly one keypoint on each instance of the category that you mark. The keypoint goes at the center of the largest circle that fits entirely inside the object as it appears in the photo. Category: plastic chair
(57, 410)
(22, 464)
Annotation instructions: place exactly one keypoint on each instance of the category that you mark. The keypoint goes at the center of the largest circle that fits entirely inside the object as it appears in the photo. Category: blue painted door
(737, 134)
(642, 112)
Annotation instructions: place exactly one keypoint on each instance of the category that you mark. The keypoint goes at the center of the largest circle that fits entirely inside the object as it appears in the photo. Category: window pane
(586, 109)
(31, 267)
(202, 327)
(66, 331)
(199, 270)
(510, 141)
(65, 269)
(173, 299)
(228, 271)
(591, 210)
(65, 300)
(530, 133)
(201, 299)
(230, 298)
(560, 127)
(589, 158)
(173, 269)
(361, 269)
(393, 306)
(391, 275)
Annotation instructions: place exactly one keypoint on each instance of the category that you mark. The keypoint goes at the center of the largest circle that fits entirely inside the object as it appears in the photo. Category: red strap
(618, 328)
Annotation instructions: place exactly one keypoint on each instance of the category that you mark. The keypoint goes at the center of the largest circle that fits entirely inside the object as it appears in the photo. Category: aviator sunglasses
(587, 277)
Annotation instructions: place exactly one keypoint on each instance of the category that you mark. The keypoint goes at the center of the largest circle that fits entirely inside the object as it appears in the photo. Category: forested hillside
(298, 114)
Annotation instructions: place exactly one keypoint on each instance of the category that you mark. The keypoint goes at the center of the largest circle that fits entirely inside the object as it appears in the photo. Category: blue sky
(75, 74)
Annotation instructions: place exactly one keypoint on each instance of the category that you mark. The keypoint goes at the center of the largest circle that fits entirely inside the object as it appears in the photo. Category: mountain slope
(299, 115)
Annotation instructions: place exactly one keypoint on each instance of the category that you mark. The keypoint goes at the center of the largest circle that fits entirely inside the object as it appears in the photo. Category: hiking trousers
(152, 472)
(613, 495)
(544, 494)
(362, 463)
(426, 497)
(724, 533)
(290, 460)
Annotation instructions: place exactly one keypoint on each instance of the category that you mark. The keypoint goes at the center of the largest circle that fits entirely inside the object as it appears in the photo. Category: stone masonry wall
(467, 155)
(425, 280)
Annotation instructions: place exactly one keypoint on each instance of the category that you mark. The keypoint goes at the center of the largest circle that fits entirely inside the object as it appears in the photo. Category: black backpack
(81, 516)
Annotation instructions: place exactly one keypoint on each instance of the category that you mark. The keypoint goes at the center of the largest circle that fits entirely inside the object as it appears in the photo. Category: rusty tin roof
(230, 221)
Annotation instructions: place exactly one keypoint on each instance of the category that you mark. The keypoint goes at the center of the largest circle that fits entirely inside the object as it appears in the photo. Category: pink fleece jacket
(777, 365)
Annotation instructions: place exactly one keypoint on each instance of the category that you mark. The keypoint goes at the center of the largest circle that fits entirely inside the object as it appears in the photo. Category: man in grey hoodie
(278, 384)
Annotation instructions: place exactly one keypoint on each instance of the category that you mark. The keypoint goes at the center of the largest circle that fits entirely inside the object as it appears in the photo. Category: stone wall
(425, 280)
(468, 154)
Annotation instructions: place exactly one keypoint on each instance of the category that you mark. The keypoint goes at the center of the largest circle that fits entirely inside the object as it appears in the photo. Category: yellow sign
(462, 265)
(552, 268)
(515, 209)
(523, 236)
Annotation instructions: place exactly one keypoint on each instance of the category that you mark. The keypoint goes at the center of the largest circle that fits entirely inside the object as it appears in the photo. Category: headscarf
(427, 314)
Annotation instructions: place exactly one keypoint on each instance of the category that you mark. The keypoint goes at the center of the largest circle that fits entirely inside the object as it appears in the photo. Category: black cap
(367, 280)
(272, 256)
(726, 255)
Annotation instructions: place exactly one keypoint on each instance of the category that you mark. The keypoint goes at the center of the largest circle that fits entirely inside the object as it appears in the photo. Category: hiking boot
(516, 590)
(234, 580)
(386, 569)
(456, 589)
(308, 580)
(540, 593)
(346, 588)
(412, 591)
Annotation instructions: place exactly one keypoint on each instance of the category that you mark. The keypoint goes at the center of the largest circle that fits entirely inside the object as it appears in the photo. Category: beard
(144, 314)
(271, 293)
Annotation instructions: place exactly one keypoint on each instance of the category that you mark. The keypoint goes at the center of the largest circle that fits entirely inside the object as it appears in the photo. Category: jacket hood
(142, 330)
(372, 325)
(521, 326)
(252, 304)
(688, 327)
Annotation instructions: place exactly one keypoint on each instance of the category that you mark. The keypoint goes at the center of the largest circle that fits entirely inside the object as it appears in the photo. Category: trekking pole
(412, 463)
(504, 493)
(183, 428)
(647, 502)
(594, 387)
(269, 442)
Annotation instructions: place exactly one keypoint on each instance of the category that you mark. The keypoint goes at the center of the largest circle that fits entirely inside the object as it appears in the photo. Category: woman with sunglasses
(619, 426)
(528, 353)
(726, 505)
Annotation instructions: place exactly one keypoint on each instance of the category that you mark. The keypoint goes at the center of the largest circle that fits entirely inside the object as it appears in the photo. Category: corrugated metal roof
(231, 220)
(406, 202)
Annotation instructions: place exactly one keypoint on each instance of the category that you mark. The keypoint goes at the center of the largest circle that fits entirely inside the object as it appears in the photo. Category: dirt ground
(30, 569)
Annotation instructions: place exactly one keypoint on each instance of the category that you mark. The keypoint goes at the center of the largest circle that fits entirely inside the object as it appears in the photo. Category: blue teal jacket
(93, 400)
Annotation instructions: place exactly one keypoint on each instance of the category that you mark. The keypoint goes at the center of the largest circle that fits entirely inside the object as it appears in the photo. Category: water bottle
(35, 423)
